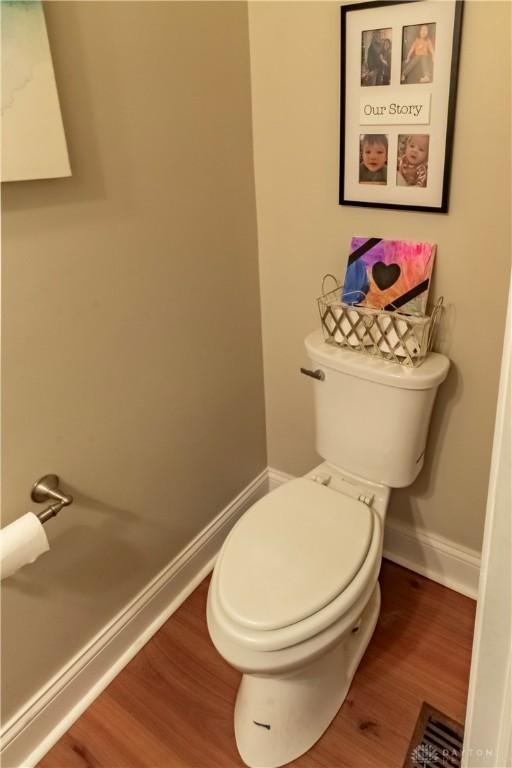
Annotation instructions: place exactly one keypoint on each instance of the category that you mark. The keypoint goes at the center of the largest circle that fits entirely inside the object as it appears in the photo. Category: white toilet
(294, 596)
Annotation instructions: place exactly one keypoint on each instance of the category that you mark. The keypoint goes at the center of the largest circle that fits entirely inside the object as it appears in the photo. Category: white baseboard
(428, 554)
(47, 716)
(277, 478)
(433, 556)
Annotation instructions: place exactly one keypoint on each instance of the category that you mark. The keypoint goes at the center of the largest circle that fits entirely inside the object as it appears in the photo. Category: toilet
(294, 596)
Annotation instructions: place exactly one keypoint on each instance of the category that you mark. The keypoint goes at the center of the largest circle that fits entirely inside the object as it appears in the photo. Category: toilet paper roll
(347, 335)
(393, 341)
(21, 543)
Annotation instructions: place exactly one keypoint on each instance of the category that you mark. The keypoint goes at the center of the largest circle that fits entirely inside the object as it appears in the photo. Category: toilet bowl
(294, 597)
(297, 626)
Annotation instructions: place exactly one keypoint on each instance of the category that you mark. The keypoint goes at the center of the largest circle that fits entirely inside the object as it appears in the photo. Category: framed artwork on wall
(33, 140)
(399, 66)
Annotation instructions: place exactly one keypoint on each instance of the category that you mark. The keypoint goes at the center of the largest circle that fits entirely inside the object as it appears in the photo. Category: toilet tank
(372, 416)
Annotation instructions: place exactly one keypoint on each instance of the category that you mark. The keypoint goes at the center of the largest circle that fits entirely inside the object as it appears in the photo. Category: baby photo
(373, 158)
(376, 57)
(412, 162)
(418, 53)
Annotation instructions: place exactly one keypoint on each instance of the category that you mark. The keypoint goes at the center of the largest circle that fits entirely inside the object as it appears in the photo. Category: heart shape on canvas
(385, 275)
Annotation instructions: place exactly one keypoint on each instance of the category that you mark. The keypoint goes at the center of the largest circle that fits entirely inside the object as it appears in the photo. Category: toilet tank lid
(429, 374)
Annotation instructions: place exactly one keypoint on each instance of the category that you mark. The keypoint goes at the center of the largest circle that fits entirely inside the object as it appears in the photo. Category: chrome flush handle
(318, 374)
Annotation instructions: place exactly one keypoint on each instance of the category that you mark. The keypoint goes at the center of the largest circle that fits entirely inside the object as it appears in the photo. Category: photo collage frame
(398, 81)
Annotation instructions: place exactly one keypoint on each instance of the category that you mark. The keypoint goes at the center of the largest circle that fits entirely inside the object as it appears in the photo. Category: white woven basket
(393, 336)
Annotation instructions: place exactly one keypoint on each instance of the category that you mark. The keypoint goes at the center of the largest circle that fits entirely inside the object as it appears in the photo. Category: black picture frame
(417, 13)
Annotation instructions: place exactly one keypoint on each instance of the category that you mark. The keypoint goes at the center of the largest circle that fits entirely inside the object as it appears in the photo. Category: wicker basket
(404, 339)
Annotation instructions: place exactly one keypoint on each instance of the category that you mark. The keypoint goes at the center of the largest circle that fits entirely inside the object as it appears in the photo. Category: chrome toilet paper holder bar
(47, 489)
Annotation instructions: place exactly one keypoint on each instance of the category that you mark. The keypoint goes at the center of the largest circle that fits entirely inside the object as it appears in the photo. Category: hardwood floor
(173, 704)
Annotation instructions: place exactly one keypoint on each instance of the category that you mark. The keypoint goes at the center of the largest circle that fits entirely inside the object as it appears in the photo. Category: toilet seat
(355, 593)
(269, 573)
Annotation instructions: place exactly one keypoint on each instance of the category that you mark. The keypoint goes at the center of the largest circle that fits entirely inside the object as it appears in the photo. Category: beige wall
(303, 233)
(131, 345)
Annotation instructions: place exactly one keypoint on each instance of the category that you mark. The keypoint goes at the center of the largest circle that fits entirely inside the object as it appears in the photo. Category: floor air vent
(436, 742)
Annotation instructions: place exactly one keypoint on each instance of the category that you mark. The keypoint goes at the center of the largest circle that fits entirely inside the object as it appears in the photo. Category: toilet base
(278, 718)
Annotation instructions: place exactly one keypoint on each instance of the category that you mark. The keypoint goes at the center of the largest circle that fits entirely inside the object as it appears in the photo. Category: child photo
(418, 53)
(412, 163)
(373, 158)
(376, 57)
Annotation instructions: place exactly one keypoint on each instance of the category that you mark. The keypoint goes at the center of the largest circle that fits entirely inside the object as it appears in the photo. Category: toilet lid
(291, 554)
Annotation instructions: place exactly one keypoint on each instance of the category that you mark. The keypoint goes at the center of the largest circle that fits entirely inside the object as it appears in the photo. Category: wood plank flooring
(172, 706)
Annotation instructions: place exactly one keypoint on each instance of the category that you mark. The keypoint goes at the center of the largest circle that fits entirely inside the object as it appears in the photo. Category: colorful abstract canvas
(389, 274)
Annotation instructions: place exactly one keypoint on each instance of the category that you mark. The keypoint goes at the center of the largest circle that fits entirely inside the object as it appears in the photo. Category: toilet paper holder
(47, 489)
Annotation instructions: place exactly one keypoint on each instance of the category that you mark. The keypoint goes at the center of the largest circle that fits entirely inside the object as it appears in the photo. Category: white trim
(277, 478)
(433, 556)
(504, 740)
(428, 554)
(51, 712)
(488, 722)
